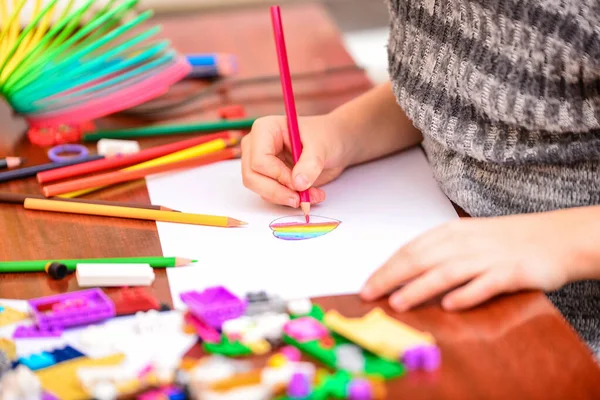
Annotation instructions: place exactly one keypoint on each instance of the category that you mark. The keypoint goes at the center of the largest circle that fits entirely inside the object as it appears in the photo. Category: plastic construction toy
(72, 309)
(20, 383)
(8, 347)
(305, 329)
(204, 332)
(214, 305)
(5, 364)
(66, 353)
(388, 338)
(38, 361)
(227, 348)
(9, 316)
(131, 300)
(34, 332)
(262, 302)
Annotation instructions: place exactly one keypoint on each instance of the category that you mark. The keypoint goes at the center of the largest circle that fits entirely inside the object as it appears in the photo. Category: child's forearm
(585, 227)
(375, 125)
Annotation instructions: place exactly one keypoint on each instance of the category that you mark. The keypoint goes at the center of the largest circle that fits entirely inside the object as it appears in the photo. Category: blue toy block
(1, 308)
(38, 361)
(65, 354)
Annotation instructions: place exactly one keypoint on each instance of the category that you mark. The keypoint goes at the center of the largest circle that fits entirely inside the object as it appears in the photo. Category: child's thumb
(307, 169)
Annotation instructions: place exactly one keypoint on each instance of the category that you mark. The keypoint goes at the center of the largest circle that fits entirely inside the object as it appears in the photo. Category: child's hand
(486, 257)
(267, 162)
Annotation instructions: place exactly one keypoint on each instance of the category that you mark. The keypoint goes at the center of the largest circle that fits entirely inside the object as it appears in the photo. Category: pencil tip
(305, 206)
(232, 222)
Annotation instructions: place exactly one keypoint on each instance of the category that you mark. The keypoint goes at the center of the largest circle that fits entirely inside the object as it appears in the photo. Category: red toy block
(131, 300)
(234, 111)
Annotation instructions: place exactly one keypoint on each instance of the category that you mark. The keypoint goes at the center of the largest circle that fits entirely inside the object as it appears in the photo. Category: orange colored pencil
(112, 178)
(131, 213)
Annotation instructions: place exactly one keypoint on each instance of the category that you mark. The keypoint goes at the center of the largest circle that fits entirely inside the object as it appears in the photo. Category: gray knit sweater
(507, 96)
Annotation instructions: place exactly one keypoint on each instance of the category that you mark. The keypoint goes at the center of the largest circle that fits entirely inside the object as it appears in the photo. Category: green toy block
(374, 365)
(227, 348)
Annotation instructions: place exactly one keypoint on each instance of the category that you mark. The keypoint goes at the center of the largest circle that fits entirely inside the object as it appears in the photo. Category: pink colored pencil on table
(288, 97)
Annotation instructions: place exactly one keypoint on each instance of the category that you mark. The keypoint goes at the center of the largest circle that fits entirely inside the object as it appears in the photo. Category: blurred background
(363, 23)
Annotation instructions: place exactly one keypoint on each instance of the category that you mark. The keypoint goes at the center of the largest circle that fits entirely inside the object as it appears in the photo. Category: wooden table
(514, 347)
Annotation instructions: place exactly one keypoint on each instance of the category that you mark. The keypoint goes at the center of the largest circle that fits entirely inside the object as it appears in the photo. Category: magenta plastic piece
(72, 309)
(360, 389)
(427, 358)
(305, 329)
(205, 332)
(48, 396)
(34, 332)
(291, 353)
(299, 386)
(214, 305)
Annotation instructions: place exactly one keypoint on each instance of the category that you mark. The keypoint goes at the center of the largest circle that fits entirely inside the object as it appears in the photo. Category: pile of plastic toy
(358, 354)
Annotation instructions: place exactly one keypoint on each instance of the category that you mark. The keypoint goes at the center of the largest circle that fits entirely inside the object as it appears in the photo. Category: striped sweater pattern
(507, 96)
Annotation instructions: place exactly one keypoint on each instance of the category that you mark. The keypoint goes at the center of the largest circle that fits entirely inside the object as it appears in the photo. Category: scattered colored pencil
(132, 213)
(159, 130)
(288, 96)
(34, 170)
(71, 264)
(122, 161)
(111, 178)
(11, 162)
(18, 198)
(195, 151)
(212, 65)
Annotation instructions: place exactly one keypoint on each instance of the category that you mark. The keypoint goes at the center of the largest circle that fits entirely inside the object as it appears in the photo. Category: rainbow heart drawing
(296, 228)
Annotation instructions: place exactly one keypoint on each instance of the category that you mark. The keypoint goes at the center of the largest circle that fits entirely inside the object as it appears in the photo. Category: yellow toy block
(9, 347)
(10, 316)
(378, 332)
(61, 379)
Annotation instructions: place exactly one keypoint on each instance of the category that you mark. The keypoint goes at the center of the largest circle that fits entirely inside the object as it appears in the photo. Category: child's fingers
(267, 188)
(476, 292)
(432, 283)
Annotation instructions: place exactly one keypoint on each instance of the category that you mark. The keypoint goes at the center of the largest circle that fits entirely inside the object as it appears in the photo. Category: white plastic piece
(237, 326)
(98, 275)
(105, 391)
(113, 147)
(299, 306)
(350, 358)
(271, 325)
(20, 384)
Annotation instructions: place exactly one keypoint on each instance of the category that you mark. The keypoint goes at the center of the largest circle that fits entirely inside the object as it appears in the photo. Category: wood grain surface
(515, 347)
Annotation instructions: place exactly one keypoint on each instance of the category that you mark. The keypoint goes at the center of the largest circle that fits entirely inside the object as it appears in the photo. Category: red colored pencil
(121, 161)
(288, 97)
(114, 177)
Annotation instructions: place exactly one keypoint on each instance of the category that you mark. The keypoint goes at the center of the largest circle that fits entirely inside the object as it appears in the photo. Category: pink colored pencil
(288, 97)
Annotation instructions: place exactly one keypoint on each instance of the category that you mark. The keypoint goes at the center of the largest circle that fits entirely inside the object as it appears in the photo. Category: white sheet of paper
(381, 205)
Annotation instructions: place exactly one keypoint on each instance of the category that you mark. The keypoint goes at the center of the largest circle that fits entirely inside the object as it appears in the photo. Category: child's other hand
(476, 259)
(267, 164)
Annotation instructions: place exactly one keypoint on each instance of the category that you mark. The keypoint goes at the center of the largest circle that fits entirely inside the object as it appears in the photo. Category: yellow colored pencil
(195, 151)
(132, 213)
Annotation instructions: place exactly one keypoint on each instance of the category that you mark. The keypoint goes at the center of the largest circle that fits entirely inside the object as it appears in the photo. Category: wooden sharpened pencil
(111, 178)
(11, 162)
(19, 198)
(132, 213)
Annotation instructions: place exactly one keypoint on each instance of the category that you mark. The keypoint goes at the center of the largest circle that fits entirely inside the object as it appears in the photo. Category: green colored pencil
(200, 127)
(39, 265)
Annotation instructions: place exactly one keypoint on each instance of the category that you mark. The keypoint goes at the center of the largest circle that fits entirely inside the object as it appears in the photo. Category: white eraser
(112, 147)
(114, 275)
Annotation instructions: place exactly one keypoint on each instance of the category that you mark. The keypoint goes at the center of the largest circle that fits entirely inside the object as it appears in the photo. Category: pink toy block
(79, 308)
(205, 332)
(291, 353)
(305, 329)
(34, 332)
(214, 305)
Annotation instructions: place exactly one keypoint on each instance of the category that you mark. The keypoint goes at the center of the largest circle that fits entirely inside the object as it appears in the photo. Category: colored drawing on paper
(296, 228)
